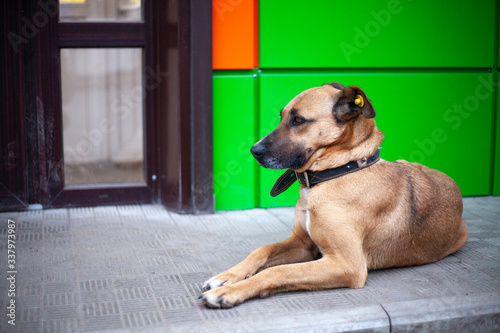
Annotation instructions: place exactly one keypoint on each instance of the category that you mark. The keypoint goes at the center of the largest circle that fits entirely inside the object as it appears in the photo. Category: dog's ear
(336, 85)
(351, 103)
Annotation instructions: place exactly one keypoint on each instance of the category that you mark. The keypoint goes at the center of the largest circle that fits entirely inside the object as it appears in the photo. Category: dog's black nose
(258, 150)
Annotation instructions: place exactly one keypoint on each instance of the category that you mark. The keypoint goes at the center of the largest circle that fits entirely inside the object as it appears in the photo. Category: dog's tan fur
(386, 215)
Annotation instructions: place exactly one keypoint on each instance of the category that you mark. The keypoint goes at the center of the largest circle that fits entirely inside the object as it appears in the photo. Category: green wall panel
(234, 135)
(496, 176)
(442, 120)
(272, 100)
(376, 33)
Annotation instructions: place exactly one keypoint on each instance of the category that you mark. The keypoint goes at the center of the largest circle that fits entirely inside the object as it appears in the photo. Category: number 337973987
(11, 244)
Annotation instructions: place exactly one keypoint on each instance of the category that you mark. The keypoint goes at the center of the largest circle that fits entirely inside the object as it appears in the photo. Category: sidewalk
(141, 269)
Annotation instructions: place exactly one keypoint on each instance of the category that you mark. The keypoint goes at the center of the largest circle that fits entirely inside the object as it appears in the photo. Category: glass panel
(102, 103)
(100, 10)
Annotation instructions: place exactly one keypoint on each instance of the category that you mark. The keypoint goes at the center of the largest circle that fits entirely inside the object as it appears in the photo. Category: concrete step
(141, 268)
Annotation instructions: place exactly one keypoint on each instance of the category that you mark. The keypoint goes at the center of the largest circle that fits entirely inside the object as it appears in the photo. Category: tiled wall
(429, 68)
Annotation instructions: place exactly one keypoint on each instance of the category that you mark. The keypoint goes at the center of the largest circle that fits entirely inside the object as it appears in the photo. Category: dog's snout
(258, 150)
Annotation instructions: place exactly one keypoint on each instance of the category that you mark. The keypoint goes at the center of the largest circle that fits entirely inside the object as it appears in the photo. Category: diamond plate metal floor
(141, 269)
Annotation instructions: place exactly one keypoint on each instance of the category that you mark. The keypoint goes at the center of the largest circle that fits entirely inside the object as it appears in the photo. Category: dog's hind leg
(462, 235)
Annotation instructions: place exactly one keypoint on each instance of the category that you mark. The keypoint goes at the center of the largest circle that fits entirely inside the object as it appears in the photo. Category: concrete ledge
(141, 269)
(472, 313)
(371, 318)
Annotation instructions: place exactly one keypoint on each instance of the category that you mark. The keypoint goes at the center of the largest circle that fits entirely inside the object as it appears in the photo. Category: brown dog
(365, 213)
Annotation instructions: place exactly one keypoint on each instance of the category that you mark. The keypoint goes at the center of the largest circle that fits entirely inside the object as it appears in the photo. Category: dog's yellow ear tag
(359, 101)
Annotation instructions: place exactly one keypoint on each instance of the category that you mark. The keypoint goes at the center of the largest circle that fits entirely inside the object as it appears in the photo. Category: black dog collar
(311, 178)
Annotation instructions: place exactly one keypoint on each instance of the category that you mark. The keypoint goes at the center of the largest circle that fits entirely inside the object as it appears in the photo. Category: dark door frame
(184, 129)
(178, 38)
(14, 190)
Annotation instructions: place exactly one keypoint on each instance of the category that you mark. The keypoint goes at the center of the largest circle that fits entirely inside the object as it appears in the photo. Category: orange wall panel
(235, 34)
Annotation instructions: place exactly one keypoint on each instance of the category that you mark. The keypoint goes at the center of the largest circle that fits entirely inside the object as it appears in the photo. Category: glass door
(102, 100)
(106, 102)
(102, 105)
(103, 145)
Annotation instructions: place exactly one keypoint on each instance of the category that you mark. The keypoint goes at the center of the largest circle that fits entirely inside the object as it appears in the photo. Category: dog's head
(315, 120)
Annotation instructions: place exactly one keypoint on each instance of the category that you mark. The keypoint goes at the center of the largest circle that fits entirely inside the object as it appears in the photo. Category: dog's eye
(298, 120)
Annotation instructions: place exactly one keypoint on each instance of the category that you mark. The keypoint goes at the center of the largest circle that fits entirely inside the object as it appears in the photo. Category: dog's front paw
(221, 298)
(223, 279)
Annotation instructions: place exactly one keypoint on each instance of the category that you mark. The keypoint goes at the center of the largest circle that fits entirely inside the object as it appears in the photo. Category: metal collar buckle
(306, 177)
(362, 163)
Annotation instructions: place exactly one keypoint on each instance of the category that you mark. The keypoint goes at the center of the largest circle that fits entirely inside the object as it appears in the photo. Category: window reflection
(100, 10)
(102, 102)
